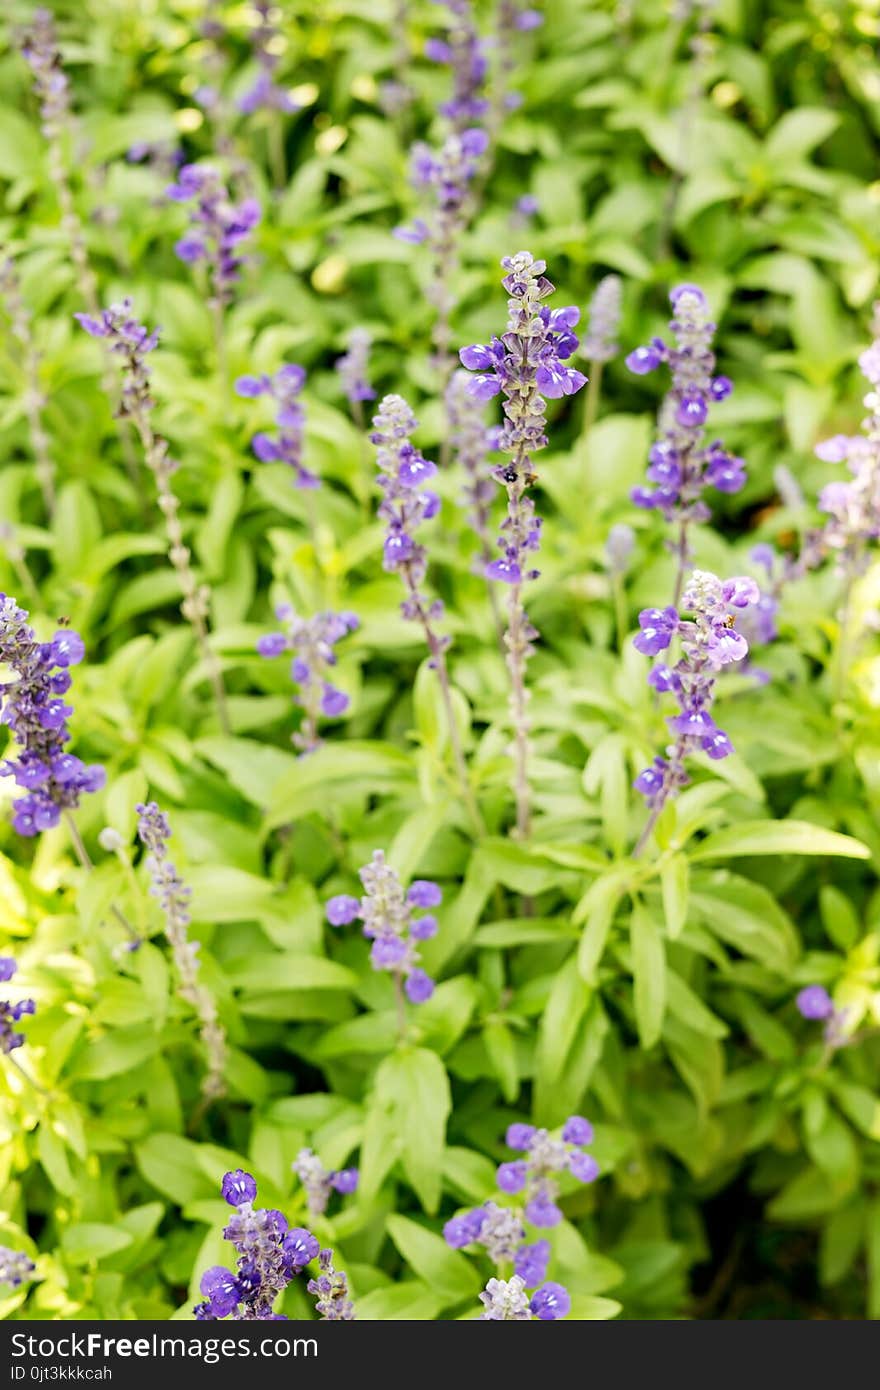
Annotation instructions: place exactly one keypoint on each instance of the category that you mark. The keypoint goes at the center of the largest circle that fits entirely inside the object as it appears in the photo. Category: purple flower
(10, 1013)
(299, 1247)
(531, 1261)
(511, 1177)
(424, 893)
(353, 368)
(15, 1267)
(543, 1213)
(218, 229)
(658, 627)
(519, 1136)
(423, 928)
(8, 968)
(29, 706)
(419, 987)
(286, 446)
(577, 1130)
(238, 1187)
(342, 910)
(584, 1167)
(222, 1290)
(551, 1301)
(345, 1181)
(312, 642)
(643, 360)
(815, 1002)
(463, 1230)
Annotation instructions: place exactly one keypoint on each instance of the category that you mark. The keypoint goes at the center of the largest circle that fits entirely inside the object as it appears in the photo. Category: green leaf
(444, 1270)
(414, 1083)
(840, 1241)
(596, 909)
(171, 1165)
(568, 1002)
(90, 1240)
(777, 837)
(305, 784)
(649, 974)
(675, 885)
(221, 893)
(409, 1301)
(281, 970)
(797, 133)
(690, 1010)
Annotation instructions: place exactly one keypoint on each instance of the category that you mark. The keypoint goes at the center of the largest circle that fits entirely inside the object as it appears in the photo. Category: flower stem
(591, 402)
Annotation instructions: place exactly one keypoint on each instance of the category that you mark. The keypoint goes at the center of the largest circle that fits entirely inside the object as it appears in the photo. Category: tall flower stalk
(131, 342)
(33, 397)
(472, 442)
(404, 506)
(39, 47)
(154, 832)
(311, 641)
(709, 643)
(682, 464)
(526, 364)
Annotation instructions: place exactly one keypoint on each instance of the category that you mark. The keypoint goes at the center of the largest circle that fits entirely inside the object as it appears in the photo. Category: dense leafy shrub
(699, 977)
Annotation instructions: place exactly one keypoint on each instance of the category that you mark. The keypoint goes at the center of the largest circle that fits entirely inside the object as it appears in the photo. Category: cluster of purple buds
(853, 508)
(526, 364)
(11, 1014)
(405, 501)
(464, 52)
(330, 1287)
(287, 445)
(512, 19)
(395, 922)
(265, 91)
(353, 368)
(681, 463)
(507, 1300)
(129, 339)
(319, 1182)
(709, 642)
(162, 157)
(815, 1004)
(33, 707)
(39, 48)
(15, 1267)
(218, 228)
(269, 1255)
(311, 642)
(603, 320)
(446, 174)
(544, 1157)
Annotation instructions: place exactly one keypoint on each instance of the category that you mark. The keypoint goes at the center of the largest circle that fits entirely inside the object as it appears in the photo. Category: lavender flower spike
(464, 52)
(353, 369)
(154, 833)
(709, 642)
(130, 343)
(311, 640)
(287, 445)
(444, 175)
(33, 707)
(405, 505)
(269, 1255)
(390, 921)
(682, 464)
(319, 1183)
(330, 1287)
(527, 364)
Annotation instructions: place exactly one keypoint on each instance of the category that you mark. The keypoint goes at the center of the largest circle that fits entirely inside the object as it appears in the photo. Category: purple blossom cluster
(39, 48)
(264, 92)
(681, 463)
(446, 174)
(405, 502)
(395, 922)
(319, 1182)
(853, 508)
(127, 338)
(507, 1300)
(709, 643)
(603, 320)
(11, 1014)
(463, 51)
(218, 227)
(15, 1267)
(269, 1255)
(34, 709)
(500, 1230)
(287, 445)
(311, 642)
(330, 1288)
(353, 368)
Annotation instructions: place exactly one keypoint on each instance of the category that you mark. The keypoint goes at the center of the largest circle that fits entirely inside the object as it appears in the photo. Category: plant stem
(593, 395)
(85, 860)
(621, 617)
